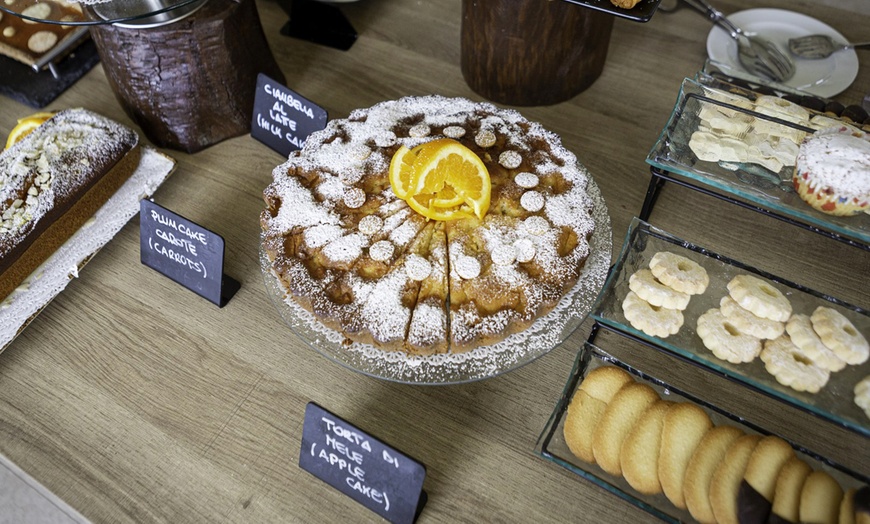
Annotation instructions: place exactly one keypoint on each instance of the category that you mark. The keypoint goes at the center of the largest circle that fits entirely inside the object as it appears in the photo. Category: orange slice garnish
(402, 169)
(25, 126)
(441, 180)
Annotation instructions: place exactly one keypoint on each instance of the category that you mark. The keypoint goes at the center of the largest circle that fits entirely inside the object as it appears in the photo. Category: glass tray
(641, 12)
(834, 402)
(516, 350)
(751, 182)
(551, 444)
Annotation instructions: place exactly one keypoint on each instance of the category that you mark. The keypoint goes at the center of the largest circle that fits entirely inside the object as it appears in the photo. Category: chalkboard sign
(283, 119)
(362, 467)
(185, 252)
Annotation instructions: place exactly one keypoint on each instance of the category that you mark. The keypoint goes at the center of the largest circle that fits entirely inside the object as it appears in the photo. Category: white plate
(826, 77)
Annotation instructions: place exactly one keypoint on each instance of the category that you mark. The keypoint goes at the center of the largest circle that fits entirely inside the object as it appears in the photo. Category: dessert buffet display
(67, 185)
(792, 343)
(685, 460)
(436, 235)
(771, 152)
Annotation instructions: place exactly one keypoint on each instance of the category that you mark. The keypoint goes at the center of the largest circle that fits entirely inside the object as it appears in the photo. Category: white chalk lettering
(368, 491)
(177, 257)
(342, 448)
(347, 434)
(170, 238)
(291, 101)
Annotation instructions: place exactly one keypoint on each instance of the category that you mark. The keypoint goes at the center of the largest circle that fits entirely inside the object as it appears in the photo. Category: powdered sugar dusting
(53, 163)
(417, 267)
(837, 159)
(330, 157)
(382, 250)
(479, 363)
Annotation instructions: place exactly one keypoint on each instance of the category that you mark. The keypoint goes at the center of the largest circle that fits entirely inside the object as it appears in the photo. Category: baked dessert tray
(48, 280)
(552, 444)
(834, 400)
(483, 362)
(744, 145)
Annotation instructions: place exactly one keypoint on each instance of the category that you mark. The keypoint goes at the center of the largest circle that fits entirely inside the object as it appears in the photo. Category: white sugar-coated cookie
(645, 285)
(747, 322)
(862, 395)
(759, 297)
(655, 321)
(679, 272)
(840, 335)
(725, 340)
(791, 367)
(800, 329)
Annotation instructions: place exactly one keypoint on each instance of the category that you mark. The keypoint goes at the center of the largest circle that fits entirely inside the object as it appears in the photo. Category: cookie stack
(717, 473)
(801, 351)
(659, 294)
(752, 311)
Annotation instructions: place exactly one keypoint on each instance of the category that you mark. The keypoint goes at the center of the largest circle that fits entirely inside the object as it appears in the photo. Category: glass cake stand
(484, 362)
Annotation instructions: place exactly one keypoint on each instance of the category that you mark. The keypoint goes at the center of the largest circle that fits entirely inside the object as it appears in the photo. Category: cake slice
(427, 332)
(384, 303)
(52, 181)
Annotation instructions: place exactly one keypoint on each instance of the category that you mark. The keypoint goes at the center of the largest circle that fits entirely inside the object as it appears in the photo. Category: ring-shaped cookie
(725, 340)
(862, 395)
(840, 335)
(759, 297)
(791, 367)
(747, 322)
(654, 321)
(679, 273)
(800, 329)
(645, 285)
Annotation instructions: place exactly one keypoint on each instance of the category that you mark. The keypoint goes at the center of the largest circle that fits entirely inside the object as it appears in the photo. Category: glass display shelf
(552, 446)
(641, 12)
(834, 402)
(748, 184)
(135, 13)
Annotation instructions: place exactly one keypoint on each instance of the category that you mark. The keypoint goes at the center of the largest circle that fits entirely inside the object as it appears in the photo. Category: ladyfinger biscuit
(619, 417)
(847, 507)
(684, 426)
(787, 493)
(587, 407)
(699, 472)
(755, 498)
(727, 478)
(820, 499)
(639, 455)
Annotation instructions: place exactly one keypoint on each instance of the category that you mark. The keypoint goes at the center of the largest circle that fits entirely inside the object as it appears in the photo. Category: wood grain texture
(199, 88)
(135, 400)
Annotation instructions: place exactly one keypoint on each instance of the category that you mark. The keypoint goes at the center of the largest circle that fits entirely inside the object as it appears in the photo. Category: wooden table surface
(135, 400)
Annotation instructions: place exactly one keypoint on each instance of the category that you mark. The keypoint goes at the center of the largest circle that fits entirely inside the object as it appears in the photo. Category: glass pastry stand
(152, 52)
(744, 184)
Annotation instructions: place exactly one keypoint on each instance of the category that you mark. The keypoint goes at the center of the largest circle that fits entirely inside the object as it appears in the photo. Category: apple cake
(345, 247)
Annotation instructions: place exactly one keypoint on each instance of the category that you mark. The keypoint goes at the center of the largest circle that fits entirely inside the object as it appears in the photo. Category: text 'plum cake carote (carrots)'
(463, 267)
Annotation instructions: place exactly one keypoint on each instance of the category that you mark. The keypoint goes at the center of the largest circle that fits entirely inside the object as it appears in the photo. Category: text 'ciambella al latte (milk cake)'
(344, 246)
(52, 181)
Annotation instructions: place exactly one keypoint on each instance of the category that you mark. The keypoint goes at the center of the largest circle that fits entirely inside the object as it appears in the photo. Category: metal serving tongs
(758, 55)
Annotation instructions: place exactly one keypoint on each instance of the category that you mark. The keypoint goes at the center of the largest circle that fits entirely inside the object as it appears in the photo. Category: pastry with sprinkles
(832, 173)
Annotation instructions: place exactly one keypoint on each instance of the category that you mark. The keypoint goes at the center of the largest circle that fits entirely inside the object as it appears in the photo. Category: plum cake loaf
(52, 181)
(419, 279)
